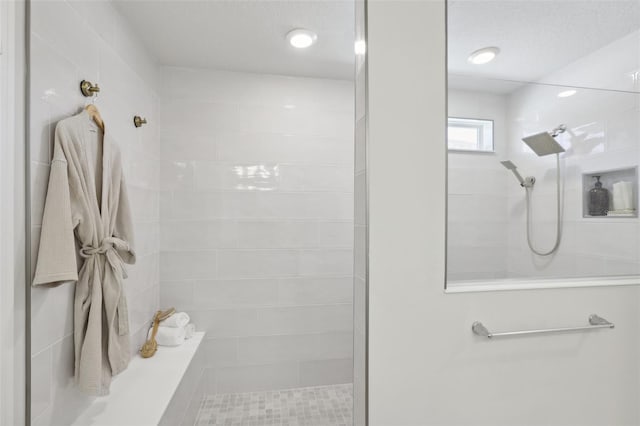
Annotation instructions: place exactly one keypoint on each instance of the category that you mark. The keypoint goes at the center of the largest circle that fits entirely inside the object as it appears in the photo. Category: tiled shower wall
(257, 224)
(603, 134)
(477, 188)
(72, 41)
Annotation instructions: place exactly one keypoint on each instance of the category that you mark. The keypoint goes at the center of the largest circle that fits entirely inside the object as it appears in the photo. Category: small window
(467, 134)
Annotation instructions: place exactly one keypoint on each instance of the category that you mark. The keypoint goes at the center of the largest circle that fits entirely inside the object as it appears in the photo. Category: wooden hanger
(95, 115)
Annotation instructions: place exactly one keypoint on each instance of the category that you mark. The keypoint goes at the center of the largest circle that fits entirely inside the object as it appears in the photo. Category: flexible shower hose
(558, 217)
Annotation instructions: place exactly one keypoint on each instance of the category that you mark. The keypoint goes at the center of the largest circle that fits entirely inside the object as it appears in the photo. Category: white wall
(604, 134)
(425, 366)
(72, 41)
(477, 193)
(257, 224)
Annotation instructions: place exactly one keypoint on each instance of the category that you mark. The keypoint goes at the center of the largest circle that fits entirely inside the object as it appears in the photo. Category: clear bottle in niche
(598, 199)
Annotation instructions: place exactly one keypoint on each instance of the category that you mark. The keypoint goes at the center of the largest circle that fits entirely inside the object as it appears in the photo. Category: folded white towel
(179, 319)
(623, 196)
(169, 336)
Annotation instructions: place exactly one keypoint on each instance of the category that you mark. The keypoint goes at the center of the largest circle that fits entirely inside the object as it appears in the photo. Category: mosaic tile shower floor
(312, 406)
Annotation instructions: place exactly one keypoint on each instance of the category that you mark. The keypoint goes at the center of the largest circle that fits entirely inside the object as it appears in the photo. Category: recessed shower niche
(610, 193)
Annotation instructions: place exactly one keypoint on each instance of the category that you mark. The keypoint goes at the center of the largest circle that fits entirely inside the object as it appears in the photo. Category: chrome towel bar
(595, 322)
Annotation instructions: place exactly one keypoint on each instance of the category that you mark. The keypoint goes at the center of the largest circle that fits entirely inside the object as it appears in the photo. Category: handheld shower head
(524, 182)
(544, 143)
(509, 165)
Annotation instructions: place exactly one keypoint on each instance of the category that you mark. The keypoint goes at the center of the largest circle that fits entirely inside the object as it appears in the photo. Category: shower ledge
(141, 394)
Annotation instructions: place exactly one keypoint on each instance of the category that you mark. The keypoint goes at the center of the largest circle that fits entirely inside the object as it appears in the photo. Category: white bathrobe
(87, 236)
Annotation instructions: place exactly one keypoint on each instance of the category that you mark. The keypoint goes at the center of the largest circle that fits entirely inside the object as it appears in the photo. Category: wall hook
(88, 89)
(139, 121)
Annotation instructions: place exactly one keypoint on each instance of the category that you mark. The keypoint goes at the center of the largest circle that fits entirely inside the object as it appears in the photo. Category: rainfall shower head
(544, 143)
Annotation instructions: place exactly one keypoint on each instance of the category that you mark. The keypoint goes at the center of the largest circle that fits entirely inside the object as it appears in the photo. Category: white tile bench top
(141, 394)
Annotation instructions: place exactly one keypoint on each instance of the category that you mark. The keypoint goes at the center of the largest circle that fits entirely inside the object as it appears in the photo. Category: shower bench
(162, 390)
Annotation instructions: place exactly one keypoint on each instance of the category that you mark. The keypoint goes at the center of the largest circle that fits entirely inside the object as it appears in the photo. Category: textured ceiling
(247, 35)
(536, 37)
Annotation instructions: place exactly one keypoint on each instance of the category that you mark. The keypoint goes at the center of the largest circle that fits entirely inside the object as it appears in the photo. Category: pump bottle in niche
(598, 199)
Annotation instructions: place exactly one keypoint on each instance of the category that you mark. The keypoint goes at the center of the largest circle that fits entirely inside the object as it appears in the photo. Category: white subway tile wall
(604, 131)
(257, 224)
(72, 41)
(477, 187)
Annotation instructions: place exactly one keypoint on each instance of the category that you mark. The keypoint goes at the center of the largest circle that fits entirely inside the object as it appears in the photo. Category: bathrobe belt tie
(108, 247)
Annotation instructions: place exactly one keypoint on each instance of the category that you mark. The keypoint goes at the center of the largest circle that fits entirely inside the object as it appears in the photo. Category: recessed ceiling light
(567, 93)
(301, 38)
(483, 56)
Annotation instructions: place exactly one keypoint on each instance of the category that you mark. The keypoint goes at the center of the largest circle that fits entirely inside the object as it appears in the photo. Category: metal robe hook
(89, 89)
(139, 121)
